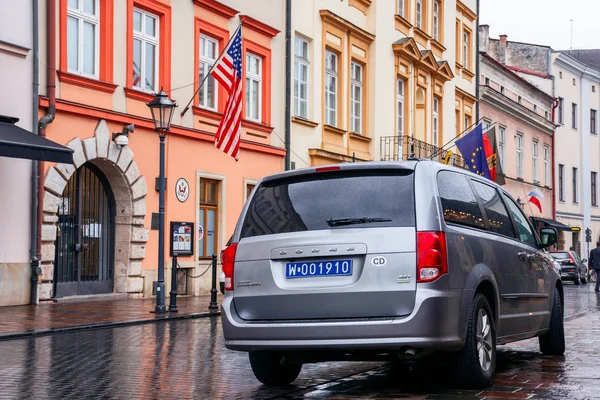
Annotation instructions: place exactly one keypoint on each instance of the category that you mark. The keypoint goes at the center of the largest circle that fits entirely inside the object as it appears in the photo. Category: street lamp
(162, 109)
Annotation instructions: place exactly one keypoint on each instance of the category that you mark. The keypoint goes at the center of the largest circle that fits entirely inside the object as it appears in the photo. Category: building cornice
(577, 67)
(497, 100)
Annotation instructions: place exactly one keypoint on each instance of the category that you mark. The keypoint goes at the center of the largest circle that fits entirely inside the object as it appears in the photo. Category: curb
(100, 325)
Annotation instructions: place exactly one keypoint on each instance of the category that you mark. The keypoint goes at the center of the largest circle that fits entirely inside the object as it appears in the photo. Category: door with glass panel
(208, 218)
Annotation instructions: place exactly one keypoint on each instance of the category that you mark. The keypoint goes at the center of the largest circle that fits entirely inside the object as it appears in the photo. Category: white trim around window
(253, 87)
(331, 87)
(547, 165)
(356, 97)
(435, 121)
(502, 146)
(419, 14)
(209, 51)
(519, 146)
(535, 162)
(83, 37)
(436, 20)
(301, 64)
(146, 31)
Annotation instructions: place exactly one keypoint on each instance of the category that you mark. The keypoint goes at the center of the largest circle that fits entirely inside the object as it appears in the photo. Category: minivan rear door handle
(522, 255)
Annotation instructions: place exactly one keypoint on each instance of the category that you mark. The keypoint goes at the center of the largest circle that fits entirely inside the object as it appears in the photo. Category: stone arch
(129, 189)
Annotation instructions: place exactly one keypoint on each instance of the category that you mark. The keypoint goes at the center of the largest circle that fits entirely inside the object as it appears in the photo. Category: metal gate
(84, 259)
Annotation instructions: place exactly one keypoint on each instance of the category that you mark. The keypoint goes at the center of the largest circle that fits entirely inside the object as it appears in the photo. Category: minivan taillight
(228, 261)
(572, 259)
(432, 258)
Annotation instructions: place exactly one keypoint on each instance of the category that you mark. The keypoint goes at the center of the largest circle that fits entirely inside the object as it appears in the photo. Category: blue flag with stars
(472, 150)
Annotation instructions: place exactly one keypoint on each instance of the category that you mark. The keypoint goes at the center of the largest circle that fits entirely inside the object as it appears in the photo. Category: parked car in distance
(572, 267)
(386, 261)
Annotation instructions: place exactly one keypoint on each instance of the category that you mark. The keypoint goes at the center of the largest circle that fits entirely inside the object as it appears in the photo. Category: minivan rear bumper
(438, 321)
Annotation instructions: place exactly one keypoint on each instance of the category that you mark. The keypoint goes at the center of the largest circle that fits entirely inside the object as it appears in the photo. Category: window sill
(468, 74)
(136, 94)
(438, 46)
(304, 121)
(358, 136)
(333, 129)
(257, 126)
(86, 82)
(402, 24)
(206, 113)
(421, 36)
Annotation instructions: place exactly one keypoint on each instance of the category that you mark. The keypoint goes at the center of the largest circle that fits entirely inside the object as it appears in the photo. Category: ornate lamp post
(162, 109)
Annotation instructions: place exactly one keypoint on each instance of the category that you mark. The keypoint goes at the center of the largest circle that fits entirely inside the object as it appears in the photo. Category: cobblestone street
(187, 359)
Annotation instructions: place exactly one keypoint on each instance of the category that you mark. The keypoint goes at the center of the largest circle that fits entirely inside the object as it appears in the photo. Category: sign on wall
(182, 238)
(182, 189)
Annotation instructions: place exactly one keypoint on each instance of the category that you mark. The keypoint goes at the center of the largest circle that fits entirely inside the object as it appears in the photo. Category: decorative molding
(444, 71)
(466, 11)
(136, 94)
(218, 8)
(360, 137)
(421, 36)
(257, 126)
(333, 129)
(258, 26)
(467, 74)
(303, 121)
(208, 114)
(437, 46)
(499, 101)
(402, 24)
(407, 47)
(428, 61)
(13, 48)
(348, 27)
(86, 82)
(361, 5)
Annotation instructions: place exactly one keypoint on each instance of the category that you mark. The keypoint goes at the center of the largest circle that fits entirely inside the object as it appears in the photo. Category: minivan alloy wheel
(484, 340)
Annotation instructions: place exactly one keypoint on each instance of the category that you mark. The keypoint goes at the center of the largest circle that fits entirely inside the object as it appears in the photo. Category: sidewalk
(22, 321)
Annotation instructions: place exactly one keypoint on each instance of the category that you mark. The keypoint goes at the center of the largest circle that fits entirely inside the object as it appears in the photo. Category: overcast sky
(544, 22)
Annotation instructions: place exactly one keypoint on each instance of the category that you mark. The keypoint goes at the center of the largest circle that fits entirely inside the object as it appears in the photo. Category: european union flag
(472, 149)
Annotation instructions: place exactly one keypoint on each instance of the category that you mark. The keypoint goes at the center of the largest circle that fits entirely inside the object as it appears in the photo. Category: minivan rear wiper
(351, 221)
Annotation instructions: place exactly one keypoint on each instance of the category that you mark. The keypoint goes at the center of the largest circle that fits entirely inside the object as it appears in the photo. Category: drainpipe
(554, 107)
(477, 64)
(35, 261)
(288, 82)
(50, 114)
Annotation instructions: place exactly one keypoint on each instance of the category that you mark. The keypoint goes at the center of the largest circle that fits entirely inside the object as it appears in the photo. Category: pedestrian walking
(595, 263)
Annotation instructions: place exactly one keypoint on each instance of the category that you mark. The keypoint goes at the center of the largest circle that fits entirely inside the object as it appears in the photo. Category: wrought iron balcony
(395, 148)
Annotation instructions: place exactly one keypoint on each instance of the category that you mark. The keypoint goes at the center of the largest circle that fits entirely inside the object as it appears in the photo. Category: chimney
(484, 38)
(502, 49)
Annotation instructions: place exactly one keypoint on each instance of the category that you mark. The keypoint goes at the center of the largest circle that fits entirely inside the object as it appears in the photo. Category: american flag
(228, 72)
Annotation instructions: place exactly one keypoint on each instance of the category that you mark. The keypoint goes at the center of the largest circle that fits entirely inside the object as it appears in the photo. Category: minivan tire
(577, 279)
(553, 342)
(468, 368)
(273, 369)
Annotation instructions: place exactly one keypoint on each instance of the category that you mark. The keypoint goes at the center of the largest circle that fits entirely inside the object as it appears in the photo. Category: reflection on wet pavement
(187, 359)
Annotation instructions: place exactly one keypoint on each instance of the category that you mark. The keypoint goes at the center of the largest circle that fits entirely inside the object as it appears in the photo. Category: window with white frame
(436, 121)
(534, 160)
(399, 108)
(331, 86)
(519, 156)
(546, 165)
(419, 15)
(561, 110)
(574, 115)
(501, 145)
(486, 124)
(594, 183)
(561, 182)
(82, 37)
(356, 97)
(466, 45)
(401, 8)
(253, 87)
(300, 77)
(575, 189)
(209, 51)
(436, 20)
(145, 50)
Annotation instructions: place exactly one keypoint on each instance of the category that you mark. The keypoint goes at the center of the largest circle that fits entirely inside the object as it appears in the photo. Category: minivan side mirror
(548, 237)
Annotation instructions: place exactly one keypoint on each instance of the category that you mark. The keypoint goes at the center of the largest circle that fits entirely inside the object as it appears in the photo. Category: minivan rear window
(560, 256)
(332, 200)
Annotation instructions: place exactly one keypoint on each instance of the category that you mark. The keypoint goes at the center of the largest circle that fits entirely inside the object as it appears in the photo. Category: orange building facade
(110, 58)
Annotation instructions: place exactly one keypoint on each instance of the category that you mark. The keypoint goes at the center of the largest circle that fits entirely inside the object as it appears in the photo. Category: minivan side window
(526, 234)
(496, 212)
(458, 201)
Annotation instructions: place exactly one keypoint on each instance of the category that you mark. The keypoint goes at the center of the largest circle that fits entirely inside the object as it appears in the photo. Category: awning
(553, 224)
(16, 142)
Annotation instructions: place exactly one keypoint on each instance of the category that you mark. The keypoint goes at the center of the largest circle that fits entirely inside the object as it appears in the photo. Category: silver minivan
(386, 261)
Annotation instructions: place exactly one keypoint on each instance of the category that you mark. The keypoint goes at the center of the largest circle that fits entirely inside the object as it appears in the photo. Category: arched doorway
(85, 242)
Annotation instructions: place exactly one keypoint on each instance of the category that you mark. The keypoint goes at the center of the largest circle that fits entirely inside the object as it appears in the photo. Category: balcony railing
(395, 148)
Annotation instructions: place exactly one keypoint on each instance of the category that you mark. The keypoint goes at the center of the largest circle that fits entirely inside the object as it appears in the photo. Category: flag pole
(440, 149)
(187, 107)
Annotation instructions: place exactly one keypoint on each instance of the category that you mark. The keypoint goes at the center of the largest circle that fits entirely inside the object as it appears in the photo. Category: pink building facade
(521, 115)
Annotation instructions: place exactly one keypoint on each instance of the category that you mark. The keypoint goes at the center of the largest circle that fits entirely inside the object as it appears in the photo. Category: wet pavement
(186, 359)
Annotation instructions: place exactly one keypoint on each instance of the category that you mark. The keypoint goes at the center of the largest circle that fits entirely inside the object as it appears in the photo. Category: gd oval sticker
(378, 261)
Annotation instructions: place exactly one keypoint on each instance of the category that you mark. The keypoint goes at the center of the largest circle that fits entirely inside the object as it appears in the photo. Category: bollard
(173, 302)
(213, 306)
